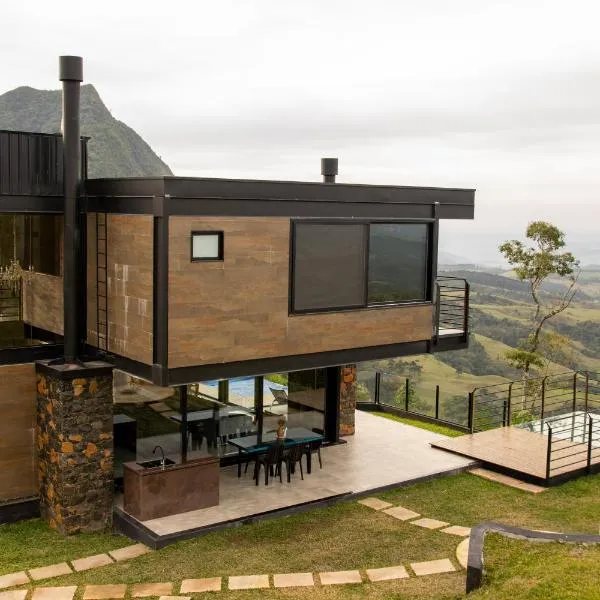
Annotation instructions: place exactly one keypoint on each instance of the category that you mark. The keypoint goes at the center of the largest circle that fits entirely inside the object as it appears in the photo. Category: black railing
(451, 308)
(388, 390)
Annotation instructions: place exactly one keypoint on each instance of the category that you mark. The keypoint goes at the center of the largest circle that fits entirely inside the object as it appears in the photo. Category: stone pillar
(75, 445)
(347, 399)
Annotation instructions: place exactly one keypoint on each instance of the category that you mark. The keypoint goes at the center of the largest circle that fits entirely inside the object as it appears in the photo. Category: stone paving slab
(11, 579)
(429, 523)
(387, 573)
(457, 530)
(13, 595)
(248, 582)
(507, 480)
(193, 586)
(129, 552)
(375, 503)
(340, 577)
(92, 562)
(50, 571)
(143, 590)
(432, 567)
(462, 553)
(54, 593)
(283, 580)
(175, 598)
(104, 592)
(399, 512)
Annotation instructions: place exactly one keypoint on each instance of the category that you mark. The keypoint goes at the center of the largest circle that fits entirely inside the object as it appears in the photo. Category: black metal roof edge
(477, 538)
(58, 134)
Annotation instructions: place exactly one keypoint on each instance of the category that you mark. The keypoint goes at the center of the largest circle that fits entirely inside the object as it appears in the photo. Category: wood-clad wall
(237, 309)
(130, 276)
(43, 301)
(18, 477)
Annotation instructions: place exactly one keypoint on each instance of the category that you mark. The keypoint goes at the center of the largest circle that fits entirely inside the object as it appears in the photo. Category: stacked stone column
(347, 399)
(75, 446)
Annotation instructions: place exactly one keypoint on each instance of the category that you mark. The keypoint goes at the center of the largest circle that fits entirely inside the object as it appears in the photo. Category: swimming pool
(244, 386)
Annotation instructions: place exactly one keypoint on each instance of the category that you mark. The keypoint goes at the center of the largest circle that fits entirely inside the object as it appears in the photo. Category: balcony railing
(451, 308)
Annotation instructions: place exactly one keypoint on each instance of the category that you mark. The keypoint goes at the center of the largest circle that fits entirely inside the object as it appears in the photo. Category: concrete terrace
(381, 453)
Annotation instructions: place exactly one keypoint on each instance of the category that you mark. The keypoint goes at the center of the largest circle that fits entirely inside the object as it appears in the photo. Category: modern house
(193, 312)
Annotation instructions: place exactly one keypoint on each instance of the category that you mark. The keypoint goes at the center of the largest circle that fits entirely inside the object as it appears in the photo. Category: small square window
(207, 245)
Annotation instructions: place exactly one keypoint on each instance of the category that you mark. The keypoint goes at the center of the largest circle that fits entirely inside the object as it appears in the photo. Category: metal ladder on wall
(101, 282)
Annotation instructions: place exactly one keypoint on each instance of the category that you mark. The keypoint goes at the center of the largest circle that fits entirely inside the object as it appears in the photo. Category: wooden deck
(521, 451)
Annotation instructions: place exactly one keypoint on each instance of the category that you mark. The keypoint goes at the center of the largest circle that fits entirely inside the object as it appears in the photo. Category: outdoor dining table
(249, 444)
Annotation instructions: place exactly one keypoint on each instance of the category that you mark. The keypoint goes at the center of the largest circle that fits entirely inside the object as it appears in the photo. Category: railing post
(589, 449)
(406, 395)
(509, 404)
(466, 311)
(543, 397)
(549, 453)
(436, 330)
(437, 401)
(504, 411)
(587, 389)
(471, 418)
(575, 392)
(377, 386)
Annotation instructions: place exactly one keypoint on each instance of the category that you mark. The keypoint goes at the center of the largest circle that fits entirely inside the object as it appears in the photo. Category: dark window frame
(367, 223)
(221, 242)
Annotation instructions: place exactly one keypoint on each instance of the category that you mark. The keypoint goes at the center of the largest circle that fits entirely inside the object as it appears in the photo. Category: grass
(552, 571)
(32, 543)
(421, 424)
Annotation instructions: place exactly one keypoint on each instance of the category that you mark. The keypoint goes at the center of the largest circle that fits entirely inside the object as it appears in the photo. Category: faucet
(162, 461)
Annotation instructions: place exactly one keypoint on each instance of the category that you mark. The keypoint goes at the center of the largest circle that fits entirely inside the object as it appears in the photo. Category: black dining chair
(291, 457)
(271, 461)
(314, 448)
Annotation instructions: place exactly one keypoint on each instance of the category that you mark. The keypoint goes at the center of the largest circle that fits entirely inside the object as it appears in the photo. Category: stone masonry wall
(75, 450)
(347, 399)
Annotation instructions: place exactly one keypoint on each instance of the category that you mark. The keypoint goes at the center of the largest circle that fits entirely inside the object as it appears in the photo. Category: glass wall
(27, 242)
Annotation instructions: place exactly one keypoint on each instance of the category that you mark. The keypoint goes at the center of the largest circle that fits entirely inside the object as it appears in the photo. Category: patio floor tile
(431, 567)
(387, 573)
(282, 580)
(50, 571)
(143, 590)
(11, 579)
(92, 562)
(129, 552)
(429, 523)
(458, 530)
(462, 553)
(399, 512)
(54, 593)
(340, 577)
(375, 503)
(104, 592)
(248, 582)
(13, 595)
(193, 586)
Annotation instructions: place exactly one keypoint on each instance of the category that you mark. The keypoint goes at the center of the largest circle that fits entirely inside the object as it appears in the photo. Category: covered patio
(383, 453)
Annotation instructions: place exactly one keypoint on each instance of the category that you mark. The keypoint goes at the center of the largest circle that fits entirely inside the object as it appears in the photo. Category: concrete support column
(347, 399)
(75, 445)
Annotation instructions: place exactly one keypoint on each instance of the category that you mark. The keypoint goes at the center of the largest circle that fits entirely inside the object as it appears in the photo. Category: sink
(151, 464)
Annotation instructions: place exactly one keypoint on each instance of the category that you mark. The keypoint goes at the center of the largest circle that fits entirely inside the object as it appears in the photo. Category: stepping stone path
(340, 577)
(430, 523)
(143, 590)
(54, 593)
(104, 592)
(458, 530)
(50, 571)
(14, 595)
(284, 580)
(13, 579)
(248, 582)
(403, 514)
(129, 552)
(193, 586)
(375, 503)
(92, 562)
(462, 553)
(387, 573)
(432, 567)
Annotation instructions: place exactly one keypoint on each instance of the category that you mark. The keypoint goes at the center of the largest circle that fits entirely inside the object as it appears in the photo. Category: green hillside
(115, 150)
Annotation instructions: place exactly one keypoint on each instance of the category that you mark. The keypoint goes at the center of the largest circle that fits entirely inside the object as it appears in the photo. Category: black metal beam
(29, 354)
(160, 286)
(297, 362)
(32, 204)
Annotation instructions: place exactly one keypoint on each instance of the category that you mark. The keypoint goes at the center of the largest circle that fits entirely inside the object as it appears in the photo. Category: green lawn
(552, 571)
(421, 424)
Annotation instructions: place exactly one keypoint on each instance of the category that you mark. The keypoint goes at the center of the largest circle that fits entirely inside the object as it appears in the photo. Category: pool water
(244, 386)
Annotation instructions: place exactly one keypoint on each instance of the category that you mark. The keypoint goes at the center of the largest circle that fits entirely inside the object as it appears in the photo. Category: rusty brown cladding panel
(43, 302)
(129, 274)
(18, 477)
(237, 309)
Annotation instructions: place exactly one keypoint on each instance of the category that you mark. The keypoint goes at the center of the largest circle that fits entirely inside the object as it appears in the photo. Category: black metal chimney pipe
(71, 75)
(329, 169)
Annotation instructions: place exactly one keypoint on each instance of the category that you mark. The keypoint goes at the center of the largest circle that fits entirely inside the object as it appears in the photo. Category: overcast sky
(490, 94)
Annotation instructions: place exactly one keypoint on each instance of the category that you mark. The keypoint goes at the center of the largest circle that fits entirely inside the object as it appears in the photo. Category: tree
(534, 264)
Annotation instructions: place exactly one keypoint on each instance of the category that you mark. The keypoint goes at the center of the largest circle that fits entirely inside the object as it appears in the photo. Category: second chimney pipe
(71, 75)
(329, 169)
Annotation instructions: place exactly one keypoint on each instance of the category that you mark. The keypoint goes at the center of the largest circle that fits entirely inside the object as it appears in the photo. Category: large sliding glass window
(341, 265)
(397, 262)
